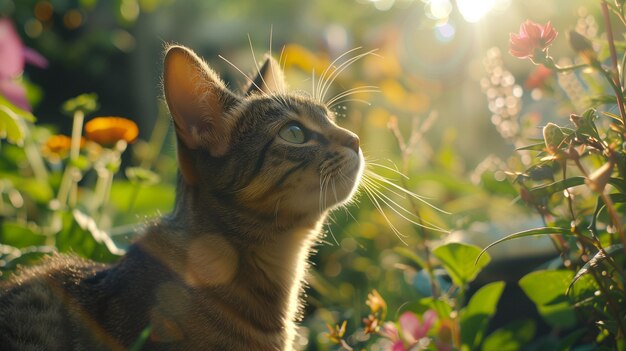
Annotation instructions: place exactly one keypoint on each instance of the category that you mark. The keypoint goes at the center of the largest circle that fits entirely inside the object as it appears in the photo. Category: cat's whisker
(282, 89)
(330, 228)
(242, 72)
(313, 81)
(382, 213)
(421, 199)
(357, 90)
(342, 67)
(397, 208)
(334, 191)
(395, 170)
(317, 93)
(384, 186)
(258, 69)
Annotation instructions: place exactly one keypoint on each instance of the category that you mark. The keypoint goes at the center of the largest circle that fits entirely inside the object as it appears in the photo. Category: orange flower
(107, 131)
(57, 147)
(532, 39)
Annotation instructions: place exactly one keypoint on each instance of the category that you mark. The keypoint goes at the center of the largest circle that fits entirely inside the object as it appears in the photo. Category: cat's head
(268, 151)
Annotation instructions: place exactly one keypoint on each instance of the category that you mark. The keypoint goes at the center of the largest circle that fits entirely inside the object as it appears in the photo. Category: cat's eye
(293, 133)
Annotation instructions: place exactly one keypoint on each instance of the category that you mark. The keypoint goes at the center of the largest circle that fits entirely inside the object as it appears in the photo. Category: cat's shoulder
(55, 267)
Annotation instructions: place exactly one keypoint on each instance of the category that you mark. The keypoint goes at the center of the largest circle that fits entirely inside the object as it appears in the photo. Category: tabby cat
(258, 174)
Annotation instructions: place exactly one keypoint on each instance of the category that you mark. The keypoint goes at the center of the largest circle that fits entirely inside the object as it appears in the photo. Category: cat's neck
(258, 280)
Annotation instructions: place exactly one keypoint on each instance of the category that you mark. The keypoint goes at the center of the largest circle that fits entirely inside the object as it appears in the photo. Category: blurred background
(447, 85)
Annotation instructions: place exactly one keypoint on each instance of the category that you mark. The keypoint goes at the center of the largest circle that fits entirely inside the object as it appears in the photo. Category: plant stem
(617, 85)
(617, 223)
(133, 197)
(560, 69)
(406, 150)
(159, 133)
(77, 131)
(35, 161)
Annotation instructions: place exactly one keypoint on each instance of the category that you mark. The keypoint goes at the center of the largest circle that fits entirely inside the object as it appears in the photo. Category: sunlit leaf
(558, 186)
(475, 317)
(461, 261)
(526, 233)
(86, 103)
(23, 114)
(514, 336)
(12, 258)
(595, 261)
(547, 289)
(11, 126)
(612, 115)
(533, 147)
(615, 198)
(80, 234)
(586, 124)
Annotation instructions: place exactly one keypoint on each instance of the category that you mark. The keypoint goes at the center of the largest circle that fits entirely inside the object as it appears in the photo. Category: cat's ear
(198, 101)
(269, 78)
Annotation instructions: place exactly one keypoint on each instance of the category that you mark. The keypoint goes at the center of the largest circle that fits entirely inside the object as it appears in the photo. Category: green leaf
(547, 289)
(558, 186)
(553, 136)
(403, 251)
(586, 126)
(23, 114)
(86, 103)
(615, 198)
(11, 126)
(525, 233)
(612, 115)
(18, 235)
(532, 147)
(11, 259)
(81, 235)
(512, 337)
(594, 262)
(475, 317)
(461, 261)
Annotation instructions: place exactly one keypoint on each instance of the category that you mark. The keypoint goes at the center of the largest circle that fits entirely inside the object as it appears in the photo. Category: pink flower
(531, 39)
(13, 56)
(412, 330)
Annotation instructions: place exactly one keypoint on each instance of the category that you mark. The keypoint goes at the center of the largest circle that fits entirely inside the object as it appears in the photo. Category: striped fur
(224, 270)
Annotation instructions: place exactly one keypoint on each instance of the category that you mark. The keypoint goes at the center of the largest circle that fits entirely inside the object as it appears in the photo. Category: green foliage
(12, 121)
(547, 289)
(52, 199)
(461, 261)
(475, 317)
(512, 337)
(85, 103)
(573, 176)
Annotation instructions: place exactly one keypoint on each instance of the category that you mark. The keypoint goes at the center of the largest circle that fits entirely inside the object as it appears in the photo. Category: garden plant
(390, 274)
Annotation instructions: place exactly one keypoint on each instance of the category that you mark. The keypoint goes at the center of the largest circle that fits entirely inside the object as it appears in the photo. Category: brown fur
(224, 270)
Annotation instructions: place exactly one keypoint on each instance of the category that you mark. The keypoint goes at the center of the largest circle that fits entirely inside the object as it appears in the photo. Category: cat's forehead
(294, 106)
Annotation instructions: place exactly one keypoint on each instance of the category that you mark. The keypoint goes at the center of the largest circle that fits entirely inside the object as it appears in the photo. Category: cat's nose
(351, 141)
